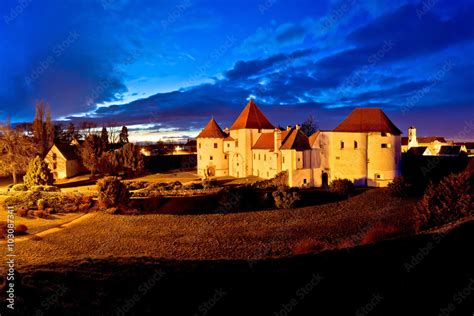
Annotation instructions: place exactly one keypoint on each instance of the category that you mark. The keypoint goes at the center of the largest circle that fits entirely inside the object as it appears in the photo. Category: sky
(164, 68)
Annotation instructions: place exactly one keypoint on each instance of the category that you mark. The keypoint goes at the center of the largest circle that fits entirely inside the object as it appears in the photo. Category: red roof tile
(313, 137)
(212, 130)
(252, 117)
(364, 120)
(430, 139)
(265, 141)
(296, 139)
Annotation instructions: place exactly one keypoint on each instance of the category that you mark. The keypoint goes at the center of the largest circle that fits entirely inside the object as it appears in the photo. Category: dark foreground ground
(423, 275)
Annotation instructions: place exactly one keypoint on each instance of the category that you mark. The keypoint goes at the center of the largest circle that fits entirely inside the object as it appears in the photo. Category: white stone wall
(211, 158)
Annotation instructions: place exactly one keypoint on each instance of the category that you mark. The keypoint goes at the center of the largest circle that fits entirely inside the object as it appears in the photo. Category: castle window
(211, 158)
(264, 157)
(55, 166)
(268, 174)
(228, 144)
(258, 156)
(236, 143)
(283, 159)
(199, 145)
(215, 145)
(299, 159)
(200, 157)
(55, 156)
(342, 145)
(386, 145)
(355, 145)
(225, 157)
(304, 181)
(384, 134)
(254, 156)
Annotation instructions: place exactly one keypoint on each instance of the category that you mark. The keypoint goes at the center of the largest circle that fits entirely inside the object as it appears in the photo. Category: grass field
(249, 236)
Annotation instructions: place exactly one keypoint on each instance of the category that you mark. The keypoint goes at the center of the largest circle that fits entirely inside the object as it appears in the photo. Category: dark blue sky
(166, 67)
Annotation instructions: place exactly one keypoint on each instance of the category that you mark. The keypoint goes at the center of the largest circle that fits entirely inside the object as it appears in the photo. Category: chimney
(277, 139)
(297, 126)
(226, 130)
(289, 127)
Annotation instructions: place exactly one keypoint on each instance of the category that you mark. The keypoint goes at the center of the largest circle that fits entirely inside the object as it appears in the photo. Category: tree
(38, 173)
(16, 150)
(132, 159)
(123, 137)
(111, 162)
(43, 128)
(91, 152)
(309, 126)
(104, 136)
(69, 134)
(87, 128)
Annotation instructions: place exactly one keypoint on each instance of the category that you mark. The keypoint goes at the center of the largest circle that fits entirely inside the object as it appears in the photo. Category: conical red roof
(212, 130)
(252, 117)
(364, 120)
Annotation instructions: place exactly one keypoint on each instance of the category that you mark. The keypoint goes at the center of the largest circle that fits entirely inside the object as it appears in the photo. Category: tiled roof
(450, 150)
(418, 151)
(404, 141)
(265, 141)
(295, 139)
(313, 137)
(430, 139)
(252, 117)
(68, 151)
(364, 120)
(212, 130)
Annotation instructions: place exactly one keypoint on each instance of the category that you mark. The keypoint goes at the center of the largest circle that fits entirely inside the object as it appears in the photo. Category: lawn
(36, 225)
(249, 236)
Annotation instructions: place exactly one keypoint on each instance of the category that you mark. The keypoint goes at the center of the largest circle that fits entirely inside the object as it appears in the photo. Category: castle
(365, 148)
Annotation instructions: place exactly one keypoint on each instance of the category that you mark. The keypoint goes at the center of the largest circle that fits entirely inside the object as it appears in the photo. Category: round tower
(212, 161)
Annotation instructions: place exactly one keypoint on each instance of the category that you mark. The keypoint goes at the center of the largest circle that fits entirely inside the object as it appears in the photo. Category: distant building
(364, 148)
(64, 161)
(433, 143)
(190, 146)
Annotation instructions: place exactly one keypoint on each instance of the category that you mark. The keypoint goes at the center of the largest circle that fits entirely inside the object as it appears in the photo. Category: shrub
(305, 246)
(280, 180)
(286, 198)
(449, 200)
(380, 232)
(21, 229)
(237, 199)
(38, 173)
(19, 188)
(136, 185)
(112, 192)
(45, 188)
(22, 212)
(399, 187)
(194, 186)
(40, 214)
(209, 183)
(342, 187)
(174, 186)
(41, 203)
(157, 187)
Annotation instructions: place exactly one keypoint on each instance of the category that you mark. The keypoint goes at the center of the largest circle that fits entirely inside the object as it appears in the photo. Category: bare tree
(16, 150)
(113, 130)
(88, 128)
(309, 126)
